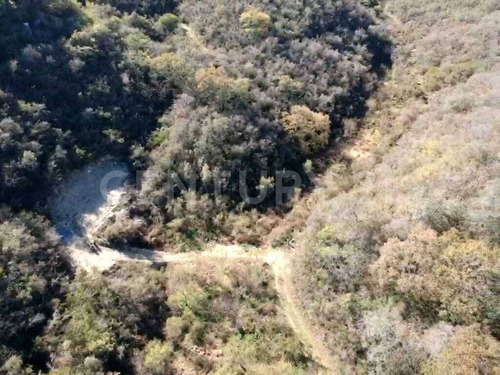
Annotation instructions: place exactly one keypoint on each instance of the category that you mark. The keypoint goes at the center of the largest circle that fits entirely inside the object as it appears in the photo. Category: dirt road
(78, 200)
(106, 257)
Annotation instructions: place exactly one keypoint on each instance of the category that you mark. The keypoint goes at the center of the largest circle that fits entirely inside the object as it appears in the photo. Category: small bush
(391, 348)
(443, 275)
(168, 22)
(469, 351)
(157, 356)
(311, 130)
(255, 21)
(176, 328)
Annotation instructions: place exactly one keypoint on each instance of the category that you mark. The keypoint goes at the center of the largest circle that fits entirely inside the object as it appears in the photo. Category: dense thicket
(33, 273)
(210, 318)
(35, 22)
(264, 85)
(74, 85)
(399, 262)
(142, 7)
(194, 89)
(253, 84)
(259, 61)
(105, 318)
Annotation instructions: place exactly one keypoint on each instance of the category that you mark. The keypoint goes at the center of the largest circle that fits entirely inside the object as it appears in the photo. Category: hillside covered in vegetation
(188, 88)
(391, 252)
(399, 264)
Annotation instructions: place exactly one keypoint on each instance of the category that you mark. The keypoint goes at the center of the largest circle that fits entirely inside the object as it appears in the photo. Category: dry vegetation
(205, 317)
(399, 261)
(396, 252)
(262, 86)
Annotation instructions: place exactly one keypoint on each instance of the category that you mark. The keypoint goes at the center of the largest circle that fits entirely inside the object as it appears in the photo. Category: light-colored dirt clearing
(80, 209)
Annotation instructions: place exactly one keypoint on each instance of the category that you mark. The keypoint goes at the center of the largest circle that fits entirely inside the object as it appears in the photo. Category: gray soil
(84, 193)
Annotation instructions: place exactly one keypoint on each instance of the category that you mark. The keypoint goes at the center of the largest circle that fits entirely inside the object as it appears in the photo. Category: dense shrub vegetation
(255, 87)
(82, 80)
(211, 318)
(142, 7)
(263, 86)
(105, 318)
(399, 263)
(396, 254)
(137, 319)
(33, 277)
(74, 85)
